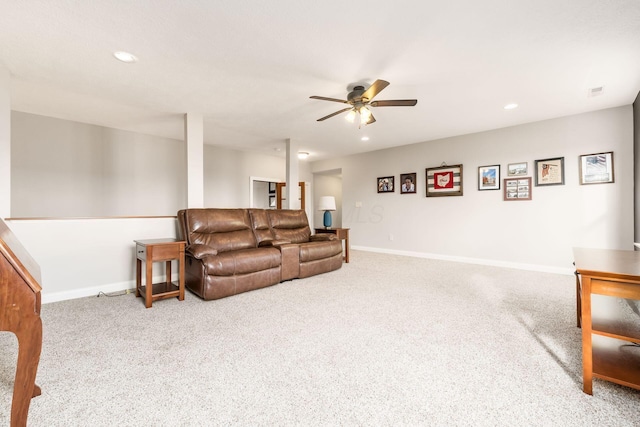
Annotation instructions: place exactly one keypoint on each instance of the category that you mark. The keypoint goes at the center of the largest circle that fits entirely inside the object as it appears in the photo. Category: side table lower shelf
(612, 363)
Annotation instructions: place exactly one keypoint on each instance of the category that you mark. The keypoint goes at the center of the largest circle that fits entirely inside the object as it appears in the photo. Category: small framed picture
(272, 201)
(272, 188)
(550, 171)
(385, 184)
(489, 177)
(517, 189)
(596, 168)
(517, 169)
(444, 181)
(408, 181)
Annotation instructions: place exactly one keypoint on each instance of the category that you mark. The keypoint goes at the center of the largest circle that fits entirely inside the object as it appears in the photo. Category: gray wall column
(194, 144)
(292, 175)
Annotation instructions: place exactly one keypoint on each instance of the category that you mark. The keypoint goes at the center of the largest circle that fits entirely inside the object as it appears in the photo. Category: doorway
(262, 192)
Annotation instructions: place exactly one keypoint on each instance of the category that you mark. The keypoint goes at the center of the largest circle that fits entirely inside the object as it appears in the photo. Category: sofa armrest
(199, 251)
(270, 243)
(323, 237)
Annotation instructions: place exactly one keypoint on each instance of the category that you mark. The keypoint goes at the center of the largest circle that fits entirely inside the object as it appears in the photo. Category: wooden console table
(20, 314)
(342, 233)
(155, 250)
(610, 349)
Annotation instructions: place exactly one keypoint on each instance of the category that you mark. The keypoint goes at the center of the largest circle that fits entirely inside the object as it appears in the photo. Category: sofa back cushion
(260, 222)
(221, 229)
(289, 224)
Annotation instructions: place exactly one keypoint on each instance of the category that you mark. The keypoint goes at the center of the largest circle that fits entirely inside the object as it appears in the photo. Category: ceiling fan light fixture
(365, 115)
(351, 116)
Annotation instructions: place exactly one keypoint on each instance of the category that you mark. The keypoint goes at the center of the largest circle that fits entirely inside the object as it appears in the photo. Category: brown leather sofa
(230, 251)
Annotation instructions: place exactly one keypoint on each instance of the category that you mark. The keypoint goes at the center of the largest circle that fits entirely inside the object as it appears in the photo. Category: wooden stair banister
(20, 314)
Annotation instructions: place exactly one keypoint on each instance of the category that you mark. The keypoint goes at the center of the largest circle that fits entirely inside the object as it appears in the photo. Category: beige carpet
(386, 340)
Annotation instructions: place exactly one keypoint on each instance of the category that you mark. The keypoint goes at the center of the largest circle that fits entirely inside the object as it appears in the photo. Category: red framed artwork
(444, 181)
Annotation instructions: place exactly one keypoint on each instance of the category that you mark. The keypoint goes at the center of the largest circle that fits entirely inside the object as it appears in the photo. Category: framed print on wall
(385, 184)
(408, 183)
(444, 181)
(550, 171)
(489, 177)
(517, 189)
(596, 168)
(517, 169)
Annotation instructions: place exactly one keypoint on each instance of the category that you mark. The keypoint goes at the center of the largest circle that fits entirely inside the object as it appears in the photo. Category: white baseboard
(131, 284)
(479, 261)
(96, 290)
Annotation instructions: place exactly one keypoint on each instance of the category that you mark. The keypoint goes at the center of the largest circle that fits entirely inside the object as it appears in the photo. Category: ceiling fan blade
(333, 114)
(375, 89)
(323, 98)
(395, 103)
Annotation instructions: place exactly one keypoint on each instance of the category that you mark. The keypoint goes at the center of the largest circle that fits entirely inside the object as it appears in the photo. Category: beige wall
(480, 226)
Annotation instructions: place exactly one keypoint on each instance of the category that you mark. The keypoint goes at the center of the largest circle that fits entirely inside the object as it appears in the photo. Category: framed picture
(385, 184)
(517, 169)
(596, 168)
(550, 171)
(408, 181)
(517, 189)
(444, 181)
(272, 201)
(489, 177)
(272, 188)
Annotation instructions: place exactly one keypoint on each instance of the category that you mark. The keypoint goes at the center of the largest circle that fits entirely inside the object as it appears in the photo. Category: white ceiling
(249, 66)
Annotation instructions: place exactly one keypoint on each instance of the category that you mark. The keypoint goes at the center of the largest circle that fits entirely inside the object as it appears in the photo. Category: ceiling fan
(360, 100)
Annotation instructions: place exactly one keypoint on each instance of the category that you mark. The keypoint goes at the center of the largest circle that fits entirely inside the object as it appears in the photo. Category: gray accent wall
(61, 168)
(480, 226)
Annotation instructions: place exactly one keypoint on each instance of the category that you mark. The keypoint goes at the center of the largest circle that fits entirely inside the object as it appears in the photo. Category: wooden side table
(342, 233)
(156, 250)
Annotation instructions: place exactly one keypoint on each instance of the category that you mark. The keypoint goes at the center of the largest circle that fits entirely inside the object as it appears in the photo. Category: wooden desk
(342, 233)
(608, 350)
(155, 250)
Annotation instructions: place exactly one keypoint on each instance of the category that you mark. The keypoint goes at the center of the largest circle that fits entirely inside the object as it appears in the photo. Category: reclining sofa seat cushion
(318, 254)
(223, 257)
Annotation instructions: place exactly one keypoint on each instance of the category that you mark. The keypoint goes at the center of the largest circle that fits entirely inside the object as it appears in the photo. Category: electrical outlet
(390, 236)
(358, 204)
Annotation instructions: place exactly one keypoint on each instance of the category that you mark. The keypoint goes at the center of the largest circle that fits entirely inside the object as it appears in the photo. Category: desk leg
(578, 300)
(181, 276)
(148, 300)
(169, 276)
(346, 248)
(138, 276)
(587, 345)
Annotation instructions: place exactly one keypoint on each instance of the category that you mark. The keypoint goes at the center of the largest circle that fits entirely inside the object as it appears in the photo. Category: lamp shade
(327, 203)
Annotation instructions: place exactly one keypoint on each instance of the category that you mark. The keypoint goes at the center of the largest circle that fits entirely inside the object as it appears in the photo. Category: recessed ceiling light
(511, 106)
(364, 138)
(125, 57)
(302, 155)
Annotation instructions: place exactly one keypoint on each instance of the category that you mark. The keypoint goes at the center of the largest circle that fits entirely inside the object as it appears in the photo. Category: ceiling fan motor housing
(355, 94)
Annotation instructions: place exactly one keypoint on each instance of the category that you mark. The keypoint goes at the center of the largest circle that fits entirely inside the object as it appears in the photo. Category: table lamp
(327, 204)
